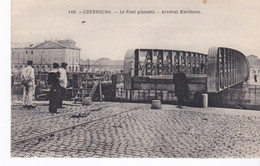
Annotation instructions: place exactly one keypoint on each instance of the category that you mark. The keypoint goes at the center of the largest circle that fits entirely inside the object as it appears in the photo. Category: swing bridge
(147, 70)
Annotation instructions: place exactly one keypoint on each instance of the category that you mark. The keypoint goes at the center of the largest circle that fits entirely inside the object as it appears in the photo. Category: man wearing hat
(27, 78)
(54, 94)
(181, 86)
(63, 82)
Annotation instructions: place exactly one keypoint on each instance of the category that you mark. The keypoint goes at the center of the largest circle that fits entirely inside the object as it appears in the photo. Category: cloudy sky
(226, 23)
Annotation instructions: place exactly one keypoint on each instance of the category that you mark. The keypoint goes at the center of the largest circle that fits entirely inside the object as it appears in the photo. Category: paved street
(134, 130)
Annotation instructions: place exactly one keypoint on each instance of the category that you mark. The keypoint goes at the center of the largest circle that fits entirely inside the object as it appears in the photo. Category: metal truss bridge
(152, 69)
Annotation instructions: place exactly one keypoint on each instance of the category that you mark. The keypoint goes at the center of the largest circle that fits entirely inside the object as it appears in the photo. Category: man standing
(27, 77)
(181, 86)
(255, 77)
(54, 94)
(63, 82)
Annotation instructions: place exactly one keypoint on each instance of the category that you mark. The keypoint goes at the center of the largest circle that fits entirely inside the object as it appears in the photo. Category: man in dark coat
(63, 82)
(255, 77)
(54, 94)
(181, 86)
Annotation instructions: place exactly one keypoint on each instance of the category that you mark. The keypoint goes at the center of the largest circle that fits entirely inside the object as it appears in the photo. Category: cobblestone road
(140, 132)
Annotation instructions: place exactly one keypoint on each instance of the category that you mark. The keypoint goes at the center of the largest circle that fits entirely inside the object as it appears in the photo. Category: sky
(221, 23)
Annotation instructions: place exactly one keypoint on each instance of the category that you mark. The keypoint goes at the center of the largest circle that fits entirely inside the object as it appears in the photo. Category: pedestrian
(12, 80)
(181, 86)
(28, 82)
(54, 94)
(255, 77)
(63, 82)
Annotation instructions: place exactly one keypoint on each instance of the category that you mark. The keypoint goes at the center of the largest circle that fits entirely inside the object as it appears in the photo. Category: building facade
(45, 54)
(254, 64)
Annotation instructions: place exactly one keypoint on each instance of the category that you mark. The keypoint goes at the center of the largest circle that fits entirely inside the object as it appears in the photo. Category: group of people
(57, 80)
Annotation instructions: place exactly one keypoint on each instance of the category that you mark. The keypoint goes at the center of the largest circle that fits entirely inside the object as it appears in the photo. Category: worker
(28, 82)
(54, 94)
(63, 83)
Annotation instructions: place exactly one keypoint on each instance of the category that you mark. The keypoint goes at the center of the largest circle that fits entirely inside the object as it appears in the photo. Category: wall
(245, 96)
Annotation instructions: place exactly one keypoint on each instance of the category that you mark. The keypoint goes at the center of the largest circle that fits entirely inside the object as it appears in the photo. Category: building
(45, 54)
(254, 64)
(102, 65)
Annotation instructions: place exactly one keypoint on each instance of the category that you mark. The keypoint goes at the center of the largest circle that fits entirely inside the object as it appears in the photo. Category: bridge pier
(243, 95)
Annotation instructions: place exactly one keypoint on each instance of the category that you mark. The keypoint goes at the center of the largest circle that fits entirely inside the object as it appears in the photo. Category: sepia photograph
(175, 79)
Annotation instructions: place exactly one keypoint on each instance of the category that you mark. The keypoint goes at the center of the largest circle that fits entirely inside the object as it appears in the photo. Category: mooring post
(156, 104)
(100, 91)
(205, 100)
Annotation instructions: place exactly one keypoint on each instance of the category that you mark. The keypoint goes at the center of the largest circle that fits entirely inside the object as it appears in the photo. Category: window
(31, 52)
(26, 52)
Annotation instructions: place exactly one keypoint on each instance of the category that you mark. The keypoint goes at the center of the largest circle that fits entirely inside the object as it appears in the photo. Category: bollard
(205, 100)
(156, 104)
(86, 101)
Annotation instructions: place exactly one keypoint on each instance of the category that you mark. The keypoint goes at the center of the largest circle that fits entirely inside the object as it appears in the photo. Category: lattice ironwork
(168, 64)
(227, 68)
(149, 63)
(160, 65)
(189, 63)
(176, 58)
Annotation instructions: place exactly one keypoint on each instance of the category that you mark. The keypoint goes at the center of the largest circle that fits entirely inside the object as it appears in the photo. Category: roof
(23, 45)
(53, 45)
(46, 44)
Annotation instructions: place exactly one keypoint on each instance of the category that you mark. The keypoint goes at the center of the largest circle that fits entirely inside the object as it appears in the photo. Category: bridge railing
(227, 67)
(148, 62)
(158, 62)
(162, 62)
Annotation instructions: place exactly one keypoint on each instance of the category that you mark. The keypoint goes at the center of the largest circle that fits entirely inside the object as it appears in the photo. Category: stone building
(45, 54)
(254, 64)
